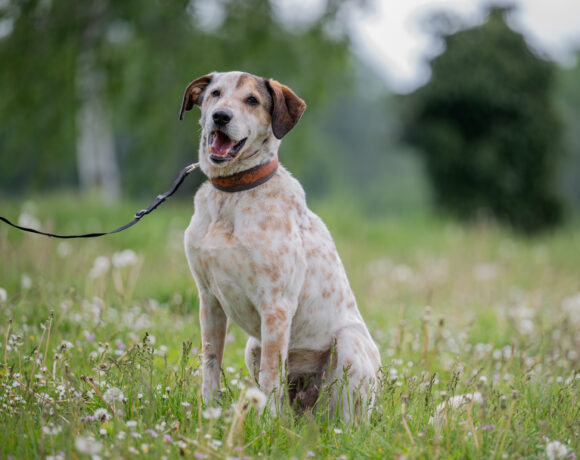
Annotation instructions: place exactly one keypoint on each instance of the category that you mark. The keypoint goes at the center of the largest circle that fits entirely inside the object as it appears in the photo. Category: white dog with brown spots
(261, 258)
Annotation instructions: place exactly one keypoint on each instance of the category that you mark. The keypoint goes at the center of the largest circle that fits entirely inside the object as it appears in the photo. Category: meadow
(478, 328)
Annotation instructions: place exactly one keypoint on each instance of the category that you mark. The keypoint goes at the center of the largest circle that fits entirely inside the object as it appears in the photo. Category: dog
(262, 259)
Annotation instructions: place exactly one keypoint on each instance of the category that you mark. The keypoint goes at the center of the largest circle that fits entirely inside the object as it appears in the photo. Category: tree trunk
(97, 164)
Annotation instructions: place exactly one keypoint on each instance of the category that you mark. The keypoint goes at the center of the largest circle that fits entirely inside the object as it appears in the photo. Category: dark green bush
(486, 127)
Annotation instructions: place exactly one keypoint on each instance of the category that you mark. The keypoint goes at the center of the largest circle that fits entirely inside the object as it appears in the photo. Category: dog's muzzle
(222, 147)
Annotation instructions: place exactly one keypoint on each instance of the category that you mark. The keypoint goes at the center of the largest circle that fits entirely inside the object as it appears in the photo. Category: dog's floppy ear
(193, 93)
(287, 108)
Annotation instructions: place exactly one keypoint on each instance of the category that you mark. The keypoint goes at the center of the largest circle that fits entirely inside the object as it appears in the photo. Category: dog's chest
(237, 250)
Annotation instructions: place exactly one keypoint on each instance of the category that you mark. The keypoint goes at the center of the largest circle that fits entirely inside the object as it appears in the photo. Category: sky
(392, 39)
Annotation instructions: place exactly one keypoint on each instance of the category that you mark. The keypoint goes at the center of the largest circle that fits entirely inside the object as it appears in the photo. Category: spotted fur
(262, 259)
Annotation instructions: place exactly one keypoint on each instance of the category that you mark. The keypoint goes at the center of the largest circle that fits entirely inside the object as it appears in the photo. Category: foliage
(568, 98)
(487, 129)
(146, 53)
(103, 358)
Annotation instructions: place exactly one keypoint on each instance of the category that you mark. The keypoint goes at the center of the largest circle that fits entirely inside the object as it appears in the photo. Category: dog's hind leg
(352, 374)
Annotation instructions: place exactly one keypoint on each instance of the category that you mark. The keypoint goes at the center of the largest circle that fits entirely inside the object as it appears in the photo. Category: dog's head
(243, 118)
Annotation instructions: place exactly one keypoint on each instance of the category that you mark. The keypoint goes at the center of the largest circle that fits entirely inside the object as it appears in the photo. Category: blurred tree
(88, 88)
(569, 104)
(486, 126)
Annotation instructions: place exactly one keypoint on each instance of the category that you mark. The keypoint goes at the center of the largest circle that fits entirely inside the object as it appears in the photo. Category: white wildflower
(3, 295)
(571, 307)
(113, 395)
(28, 220)
(212, 413)
(556, 450)
(51, 429)
(454, 403)
(526, 327)
(59, 456)
(87, 445)
(102, 414)
(65, 345)
(402, 273)
(485, 271)
(125, 258)
(131, 423)
(64, 249)
(100, 267)
(25, 282)
(256, 398)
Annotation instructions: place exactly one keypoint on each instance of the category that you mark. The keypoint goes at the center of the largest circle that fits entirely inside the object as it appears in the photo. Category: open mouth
(223, 148)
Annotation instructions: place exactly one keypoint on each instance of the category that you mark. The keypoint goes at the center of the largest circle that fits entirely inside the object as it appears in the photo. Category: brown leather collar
(248, 179)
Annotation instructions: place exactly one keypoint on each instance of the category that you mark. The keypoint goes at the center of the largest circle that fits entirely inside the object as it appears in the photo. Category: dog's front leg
(213, 332)
(275, 330)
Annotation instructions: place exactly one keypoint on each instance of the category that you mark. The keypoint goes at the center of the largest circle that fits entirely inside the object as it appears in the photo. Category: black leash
(156, 202)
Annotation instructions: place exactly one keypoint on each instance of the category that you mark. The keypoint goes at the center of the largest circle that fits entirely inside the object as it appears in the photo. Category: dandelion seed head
(556, 450)
(113, 395)
(25, 282)
(212, 413)
(102, 414)
(51, 429)
(64, 249)
(59, 456)
(485, 271)
(100, 267)
(26, 219)
(256, 398)
(65, 345)
(454, 403)
(87, 445)
(125, 258)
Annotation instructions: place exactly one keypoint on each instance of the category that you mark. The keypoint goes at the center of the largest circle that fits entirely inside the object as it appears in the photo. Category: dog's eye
(252, 101)
(216, 93)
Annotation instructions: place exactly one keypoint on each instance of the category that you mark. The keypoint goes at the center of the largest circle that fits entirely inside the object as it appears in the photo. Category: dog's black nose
(222, 117)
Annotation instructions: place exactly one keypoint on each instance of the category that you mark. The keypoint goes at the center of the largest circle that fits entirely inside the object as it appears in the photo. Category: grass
(479, 332)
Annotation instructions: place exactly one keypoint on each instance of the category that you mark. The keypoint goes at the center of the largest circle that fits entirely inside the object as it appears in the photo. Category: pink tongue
(221, 145)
